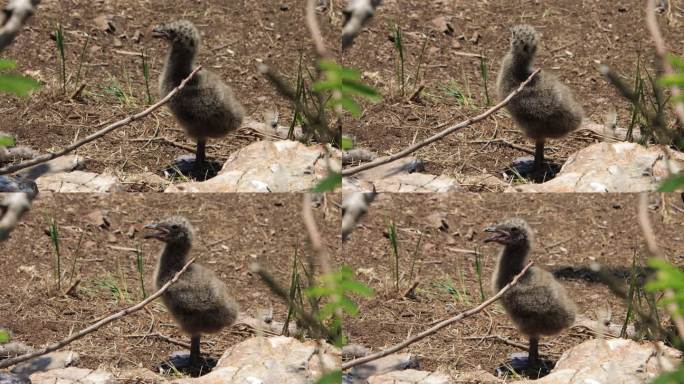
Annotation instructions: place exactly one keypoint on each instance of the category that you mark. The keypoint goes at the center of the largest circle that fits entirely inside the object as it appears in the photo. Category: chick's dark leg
(195, 350)
(539, 156)
(533, 352)
(201, 154)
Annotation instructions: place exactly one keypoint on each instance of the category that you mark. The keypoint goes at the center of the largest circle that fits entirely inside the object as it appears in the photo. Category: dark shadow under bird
(545, 108)
(538, 304)
(206, 107)
(199, 301)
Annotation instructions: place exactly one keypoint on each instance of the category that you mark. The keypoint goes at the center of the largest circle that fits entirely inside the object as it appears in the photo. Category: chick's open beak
(159, 32)
(158, 232)
(499, 235)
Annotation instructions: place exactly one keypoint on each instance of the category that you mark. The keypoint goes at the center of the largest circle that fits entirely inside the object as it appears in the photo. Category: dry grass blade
(60, 344)
(100, 133)
(437, 327)
(440, 135)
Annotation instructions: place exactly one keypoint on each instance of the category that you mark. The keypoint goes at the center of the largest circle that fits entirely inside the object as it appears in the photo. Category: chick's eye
(515, 230)
(175, 226)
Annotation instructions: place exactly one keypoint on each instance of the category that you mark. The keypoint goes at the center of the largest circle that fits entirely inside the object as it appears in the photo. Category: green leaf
(350, 87)
(673, 183)
(7, 64)
(7, 141)
(676, 377)
(347, 143)
(677, 62)
(347, 104)
(329, 184)
(18, 85)
(334, 377)
(356, 287)
(5, 336)
(672, 80)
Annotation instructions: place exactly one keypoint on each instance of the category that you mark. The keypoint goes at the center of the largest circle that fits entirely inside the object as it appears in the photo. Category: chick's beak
(159, 32)
(158, 232)
(499, 235)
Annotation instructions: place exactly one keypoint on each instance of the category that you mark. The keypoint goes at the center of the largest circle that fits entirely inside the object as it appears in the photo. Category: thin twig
(315, 29)
(314, 235)
(661, 52)
(60, 344)
(440, 135)
(654, 250)
(100, 133)
(15, 14)
(437, 327)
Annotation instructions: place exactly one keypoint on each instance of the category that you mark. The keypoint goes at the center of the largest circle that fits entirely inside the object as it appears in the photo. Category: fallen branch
(15, 14)
(437, 327)
(440, 135)
(100, 133)
(12, 208)
(60, 344)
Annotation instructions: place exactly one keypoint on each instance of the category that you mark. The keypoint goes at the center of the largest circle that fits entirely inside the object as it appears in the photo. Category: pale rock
(398, 176)
(79, 181)
(48, 362)
(410, 376)
(273, 360)
(382, 366)
(269, 166)
(73, 375)
(612, 361)
(611, 167)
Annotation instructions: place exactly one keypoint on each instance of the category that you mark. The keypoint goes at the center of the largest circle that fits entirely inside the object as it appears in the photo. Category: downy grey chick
(206, 107)
(199, 302)
(545, 108)
(538, 304)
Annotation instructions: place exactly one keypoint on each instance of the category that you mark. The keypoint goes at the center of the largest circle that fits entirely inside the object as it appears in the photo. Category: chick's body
(206, 107)
(198, 301)
(538, 304)
(545, 108)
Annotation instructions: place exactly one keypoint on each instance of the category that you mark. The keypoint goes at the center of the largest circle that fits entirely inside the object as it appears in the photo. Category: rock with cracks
(269, 166)
(73, 375)
(612, 361)
(273, 360)
(612, 167)
(410, 376)
(403, 175)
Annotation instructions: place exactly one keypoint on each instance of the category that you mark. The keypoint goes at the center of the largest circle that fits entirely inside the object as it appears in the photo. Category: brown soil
(577, 37)
(239, 34)
(232, 233)
(571, 230)
(236, 36)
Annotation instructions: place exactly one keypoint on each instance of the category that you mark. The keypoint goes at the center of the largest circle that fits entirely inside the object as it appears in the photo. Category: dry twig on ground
(436, 328)
(15, 14)
(440, 135)
(60, 344)
(53, 155)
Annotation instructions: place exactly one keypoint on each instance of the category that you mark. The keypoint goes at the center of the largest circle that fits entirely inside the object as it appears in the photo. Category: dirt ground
(232, 233)
(577, 36)
(237, 35)
(571, 230)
